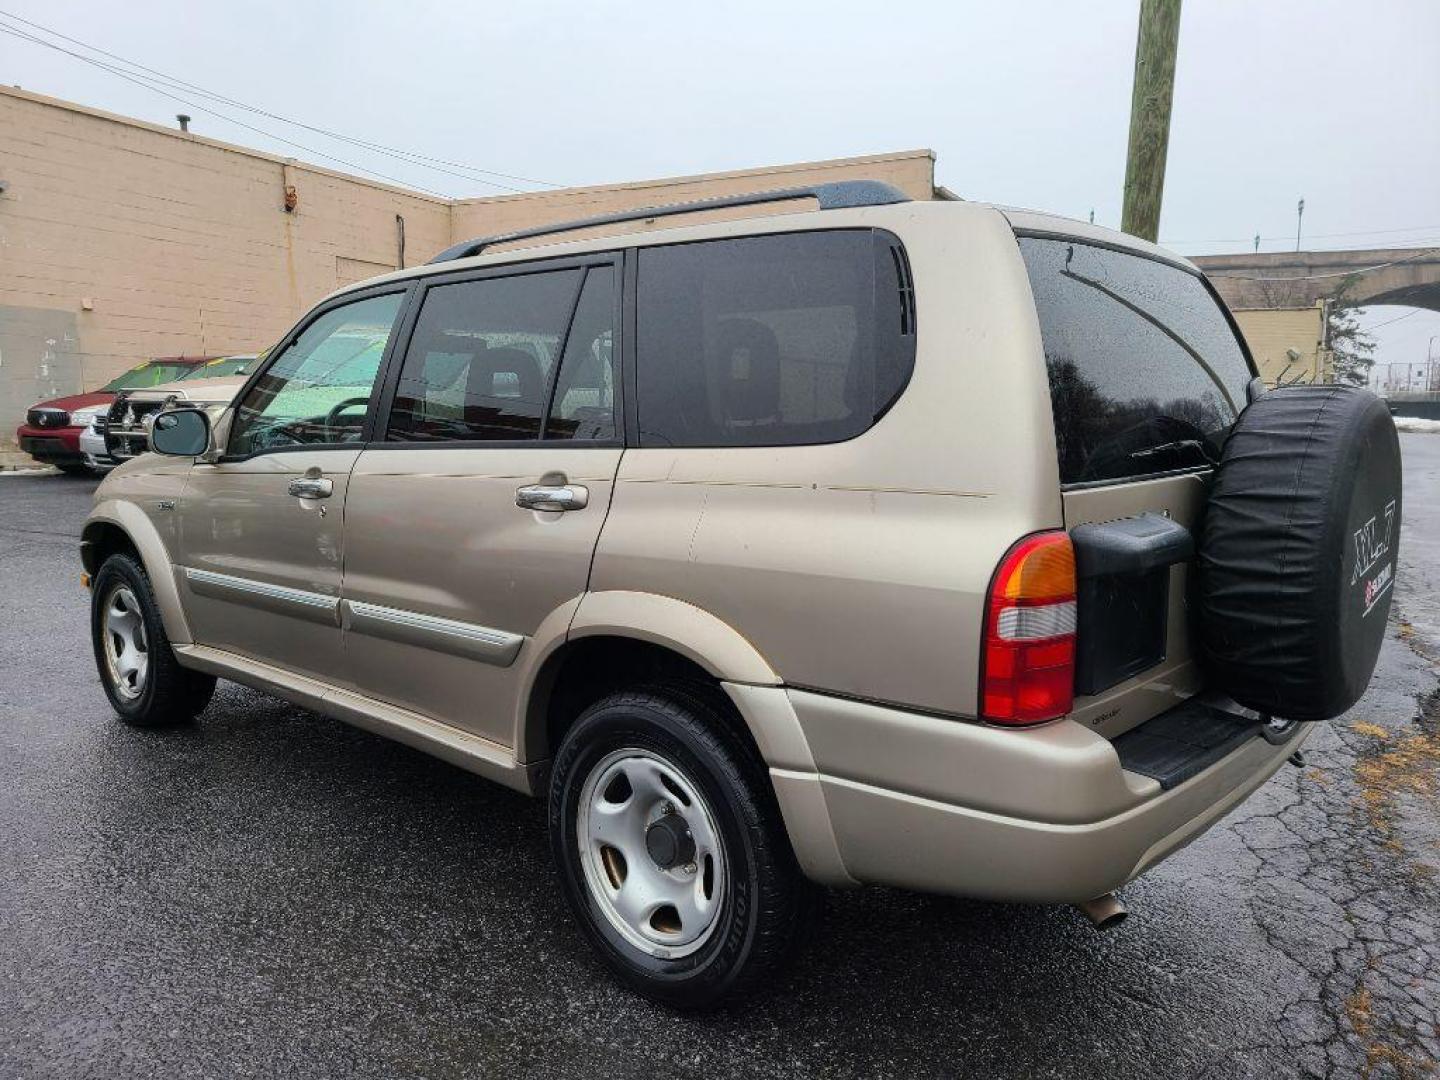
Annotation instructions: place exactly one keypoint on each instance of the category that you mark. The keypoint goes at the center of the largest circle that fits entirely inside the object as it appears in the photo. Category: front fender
(137, 527)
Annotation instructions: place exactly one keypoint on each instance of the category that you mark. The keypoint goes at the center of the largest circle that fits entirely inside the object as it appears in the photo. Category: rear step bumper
(1184, 742)
(1055, 814)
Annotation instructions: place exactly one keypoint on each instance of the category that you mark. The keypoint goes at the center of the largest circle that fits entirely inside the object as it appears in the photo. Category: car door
(474, 514)
(261, 529)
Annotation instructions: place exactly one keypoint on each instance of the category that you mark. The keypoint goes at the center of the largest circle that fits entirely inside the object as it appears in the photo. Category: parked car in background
(123, 430)
(52, 429)
(924, 544)
(92, 445)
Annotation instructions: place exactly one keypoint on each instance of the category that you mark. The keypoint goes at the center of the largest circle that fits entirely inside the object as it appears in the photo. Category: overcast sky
(1024, 103)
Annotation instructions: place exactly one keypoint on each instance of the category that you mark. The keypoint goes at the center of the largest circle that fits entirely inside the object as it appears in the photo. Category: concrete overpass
(1296, 279)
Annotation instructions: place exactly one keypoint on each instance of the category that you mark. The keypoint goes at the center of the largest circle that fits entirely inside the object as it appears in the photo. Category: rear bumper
(1047, 815)
(54, 446)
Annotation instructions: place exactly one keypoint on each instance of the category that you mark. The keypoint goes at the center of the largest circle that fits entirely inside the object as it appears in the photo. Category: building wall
(913, 172)
(1270, 332)
(122, 240)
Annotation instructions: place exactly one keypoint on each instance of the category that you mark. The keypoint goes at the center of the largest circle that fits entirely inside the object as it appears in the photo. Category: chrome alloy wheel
(651, 852)
(127, 659)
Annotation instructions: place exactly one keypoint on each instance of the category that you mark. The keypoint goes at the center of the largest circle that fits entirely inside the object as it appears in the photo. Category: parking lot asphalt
(273, 894)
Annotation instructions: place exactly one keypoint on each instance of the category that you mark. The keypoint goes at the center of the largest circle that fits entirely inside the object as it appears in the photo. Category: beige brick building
(1273, 334)
(122, 240)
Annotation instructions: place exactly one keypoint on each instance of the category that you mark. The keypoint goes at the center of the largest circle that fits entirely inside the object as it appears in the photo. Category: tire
(76, 470)
(759, 898)
(146, 686)
(1297, 551)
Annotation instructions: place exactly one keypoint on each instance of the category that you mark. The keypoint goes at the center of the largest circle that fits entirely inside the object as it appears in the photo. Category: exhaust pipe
(1104, 912)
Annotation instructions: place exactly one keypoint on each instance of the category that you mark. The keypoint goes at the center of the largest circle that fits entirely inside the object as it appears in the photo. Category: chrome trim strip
(483, 643)
(306, 605)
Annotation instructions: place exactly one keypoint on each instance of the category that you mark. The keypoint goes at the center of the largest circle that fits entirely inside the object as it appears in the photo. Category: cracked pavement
(273, 894)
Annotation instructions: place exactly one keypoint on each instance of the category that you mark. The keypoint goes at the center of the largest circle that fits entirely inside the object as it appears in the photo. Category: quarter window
(317, 390)
(771, 341)
(1146, 375)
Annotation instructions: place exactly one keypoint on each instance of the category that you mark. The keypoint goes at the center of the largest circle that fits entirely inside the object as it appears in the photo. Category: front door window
(318, 389)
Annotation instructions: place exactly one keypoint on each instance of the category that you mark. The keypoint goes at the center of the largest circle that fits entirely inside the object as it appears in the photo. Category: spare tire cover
(1297, 551)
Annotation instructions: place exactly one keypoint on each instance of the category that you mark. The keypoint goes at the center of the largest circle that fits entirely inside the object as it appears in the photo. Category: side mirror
(181, 433)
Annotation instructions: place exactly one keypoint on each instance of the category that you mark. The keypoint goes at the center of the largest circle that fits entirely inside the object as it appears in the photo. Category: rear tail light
(1027, 663)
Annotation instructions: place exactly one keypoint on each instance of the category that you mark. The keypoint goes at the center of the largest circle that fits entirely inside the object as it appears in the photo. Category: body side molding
(489, 646)
(300, 603)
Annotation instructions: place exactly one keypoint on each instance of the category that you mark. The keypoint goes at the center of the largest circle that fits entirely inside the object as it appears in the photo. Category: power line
(169, 83)
(175, 83)
(1311, 236)
(139, 81)
(1387, 322)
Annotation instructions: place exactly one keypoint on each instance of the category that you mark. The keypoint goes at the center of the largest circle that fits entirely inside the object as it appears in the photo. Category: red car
(51, 432)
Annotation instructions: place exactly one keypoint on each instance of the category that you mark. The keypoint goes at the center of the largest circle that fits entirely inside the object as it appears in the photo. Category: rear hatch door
(1147, 375)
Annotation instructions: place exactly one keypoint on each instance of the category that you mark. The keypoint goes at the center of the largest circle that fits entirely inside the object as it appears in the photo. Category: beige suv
(853, 540)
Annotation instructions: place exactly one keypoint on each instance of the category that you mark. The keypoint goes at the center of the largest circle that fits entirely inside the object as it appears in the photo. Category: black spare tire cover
(1297, 551)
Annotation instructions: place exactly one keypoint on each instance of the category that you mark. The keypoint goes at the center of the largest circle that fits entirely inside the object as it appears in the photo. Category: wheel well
(587, 670)
(100, 540)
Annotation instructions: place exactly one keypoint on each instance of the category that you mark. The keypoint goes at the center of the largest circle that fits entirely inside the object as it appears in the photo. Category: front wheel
(670, 848)
(142, 678)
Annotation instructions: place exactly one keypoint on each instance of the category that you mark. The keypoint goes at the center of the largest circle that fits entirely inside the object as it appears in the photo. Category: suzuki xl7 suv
(855, 541)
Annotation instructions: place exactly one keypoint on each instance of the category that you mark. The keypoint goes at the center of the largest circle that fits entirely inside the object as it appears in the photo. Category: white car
(92, 439)
(125, 432)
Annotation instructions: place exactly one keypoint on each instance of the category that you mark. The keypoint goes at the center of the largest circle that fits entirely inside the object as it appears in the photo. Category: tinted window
(584, 406)
(481, 357)
(772, 340)
(318, 389)
(1146, 375)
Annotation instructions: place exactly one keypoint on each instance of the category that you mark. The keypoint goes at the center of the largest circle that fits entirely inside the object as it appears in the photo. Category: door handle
(552, 497)
(311, 487)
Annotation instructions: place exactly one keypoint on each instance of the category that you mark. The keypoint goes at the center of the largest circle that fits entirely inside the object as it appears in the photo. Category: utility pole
(1257, 243)
(1150, 117)
(1299, 217)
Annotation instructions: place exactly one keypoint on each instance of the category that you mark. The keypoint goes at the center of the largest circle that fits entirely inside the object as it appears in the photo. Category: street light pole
(1299, 216)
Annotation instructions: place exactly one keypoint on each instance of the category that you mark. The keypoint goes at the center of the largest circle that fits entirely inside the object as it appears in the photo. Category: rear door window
(774, 340)
(487, 356)
(1146, 374)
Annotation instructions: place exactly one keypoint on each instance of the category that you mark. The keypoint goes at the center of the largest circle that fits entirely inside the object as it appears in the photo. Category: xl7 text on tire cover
(1297, 551)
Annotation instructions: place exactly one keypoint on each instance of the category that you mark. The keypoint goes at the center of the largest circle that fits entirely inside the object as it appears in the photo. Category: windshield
(226, 365)
(150, 373)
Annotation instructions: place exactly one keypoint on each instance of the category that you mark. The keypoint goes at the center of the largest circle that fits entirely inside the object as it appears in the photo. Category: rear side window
(773, 340)
(1146, 375)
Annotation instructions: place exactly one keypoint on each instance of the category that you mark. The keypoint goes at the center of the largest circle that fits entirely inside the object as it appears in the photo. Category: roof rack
(839, 195)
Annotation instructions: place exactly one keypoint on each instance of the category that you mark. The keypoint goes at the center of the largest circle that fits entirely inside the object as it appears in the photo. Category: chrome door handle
(311, 487)
(552, 497)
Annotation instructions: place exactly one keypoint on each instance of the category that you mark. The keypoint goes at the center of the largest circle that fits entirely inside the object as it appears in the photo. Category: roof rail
(839, 195)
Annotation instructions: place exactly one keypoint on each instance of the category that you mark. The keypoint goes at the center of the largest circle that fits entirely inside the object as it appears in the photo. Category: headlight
(86, 416)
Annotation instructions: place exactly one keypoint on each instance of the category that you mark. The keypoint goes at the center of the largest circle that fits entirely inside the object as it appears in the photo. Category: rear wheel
(142, 678)
(671, 850)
